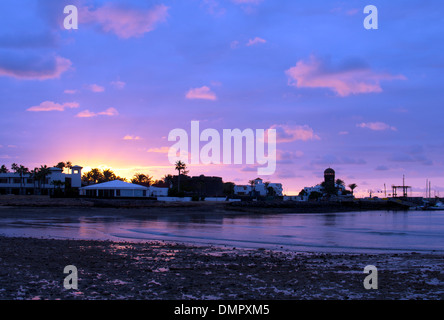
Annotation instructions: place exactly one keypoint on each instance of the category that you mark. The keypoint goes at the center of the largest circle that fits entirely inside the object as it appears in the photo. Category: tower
(329, 178)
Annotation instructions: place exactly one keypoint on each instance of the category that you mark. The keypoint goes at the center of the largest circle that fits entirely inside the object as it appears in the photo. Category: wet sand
(33, 269)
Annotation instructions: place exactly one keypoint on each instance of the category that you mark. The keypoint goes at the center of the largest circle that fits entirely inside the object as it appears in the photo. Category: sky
(368, 103)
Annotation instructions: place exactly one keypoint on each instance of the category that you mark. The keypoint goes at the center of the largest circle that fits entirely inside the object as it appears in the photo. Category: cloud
(118, 84)
(288, 157)
(52, 106)
(213, 7)
(254, 41)
(343, 133)
(109, 112)
(247, 1)
(381, 168)
(159, 150)
(376, 126)
(27, 66)
(88, 114)
(203, 93)
(96, 88)
(129, 137)
(123, 21)
(70, 91)
(334, 160)
(286, 133)
(347, 80)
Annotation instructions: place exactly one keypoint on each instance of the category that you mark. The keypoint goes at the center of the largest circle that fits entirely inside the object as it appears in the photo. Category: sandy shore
(33, 269)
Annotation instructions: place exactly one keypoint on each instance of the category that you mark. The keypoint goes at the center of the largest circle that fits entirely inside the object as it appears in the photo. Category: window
(29, 181)
(16, 180)
(76, 171)
(3, 180)
(144, 193)
(117, 193)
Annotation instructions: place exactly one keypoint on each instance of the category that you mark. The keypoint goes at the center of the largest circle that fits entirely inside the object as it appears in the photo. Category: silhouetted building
(200, 185)
(329, 178)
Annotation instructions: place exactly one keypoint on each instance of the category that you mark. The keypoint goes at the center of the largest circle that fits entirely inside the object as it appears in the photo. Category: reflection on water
(375, 231)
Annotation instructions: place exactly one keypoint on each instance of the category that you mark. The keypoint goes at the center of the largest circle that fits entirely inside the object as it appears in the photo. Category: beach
(32, 268)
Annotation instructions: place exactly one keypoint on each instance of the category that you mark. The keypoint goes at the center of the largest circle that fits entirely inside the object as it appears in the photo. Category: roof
(161, 185)
(329, 170)
(116, 184)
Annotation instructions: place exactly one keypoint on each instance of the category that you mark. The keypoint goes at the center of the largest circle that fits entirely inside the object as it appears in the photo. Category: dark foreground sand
(33, 269)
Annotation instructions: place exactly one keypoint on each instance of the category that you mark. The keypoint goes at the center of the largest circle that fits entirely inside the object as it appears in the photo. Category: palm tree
(108, 175)
(142, 179)
(181, 168)
(34, 174)
(4, 169)
(44, 171)
(253, 187)
(21, 170)
(352, 187)
(340, 182)
(68, 164)
(60, 165)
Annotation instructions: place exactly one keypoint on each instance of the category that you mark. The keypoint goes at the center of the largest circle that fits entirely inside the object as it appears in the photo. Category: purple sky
(366, 102)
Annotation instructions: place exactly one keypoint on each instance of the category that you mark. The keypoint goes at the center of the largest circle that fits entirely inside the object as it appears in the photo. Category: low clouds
(344, 81)
(130, 137)
(202, 93)
(286, 133)
(255, 41)
(96, 88)
(123, 21)
(32, 66)
(53, 106)
(88, 114)
(376, 126)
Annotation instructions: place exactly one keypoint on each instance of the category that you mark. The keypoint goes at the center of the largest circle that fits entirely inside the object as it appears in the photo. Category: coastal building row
(15, 183)
(208, 187)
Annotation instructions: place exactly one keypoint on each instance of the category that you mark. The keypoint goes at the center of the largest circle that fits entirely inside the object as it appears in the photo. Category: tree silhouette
(181, 167)
(352, 187)
(21, 170)
(142, 179)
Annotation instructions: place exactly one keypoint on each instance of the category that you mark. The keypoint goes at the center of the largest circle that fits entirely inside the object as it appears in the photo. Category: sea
(348, 232)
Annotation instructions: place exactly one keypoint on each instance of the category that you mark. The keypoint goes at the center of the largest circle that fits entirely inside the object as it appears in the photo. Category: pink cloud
(88, 114)
(247, 1)
(123, 21)
(109, 112)
(130, 137)
(203, 93)
(118, 84)
(315, 74)
(96, 88)
(52, 106)
(70, 91)
(33, 68)
(256, 40)
(159, 150)
(376, 126)
(286, 133)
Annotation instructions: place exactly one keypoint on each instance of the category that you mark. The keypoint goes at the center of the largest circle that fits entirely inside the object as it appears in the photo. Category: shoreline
(32, 268)
(250, 207)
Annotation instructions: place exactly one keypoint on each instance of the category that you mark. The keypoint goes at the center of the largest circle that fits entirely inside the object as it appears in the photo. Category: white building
(12, 183)
(158, 190)
(114, 189)
(258, 186)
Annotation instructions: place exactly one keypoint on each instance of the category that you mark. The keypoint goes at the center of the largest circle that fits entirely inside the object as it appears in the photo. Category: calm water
(375, 231)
